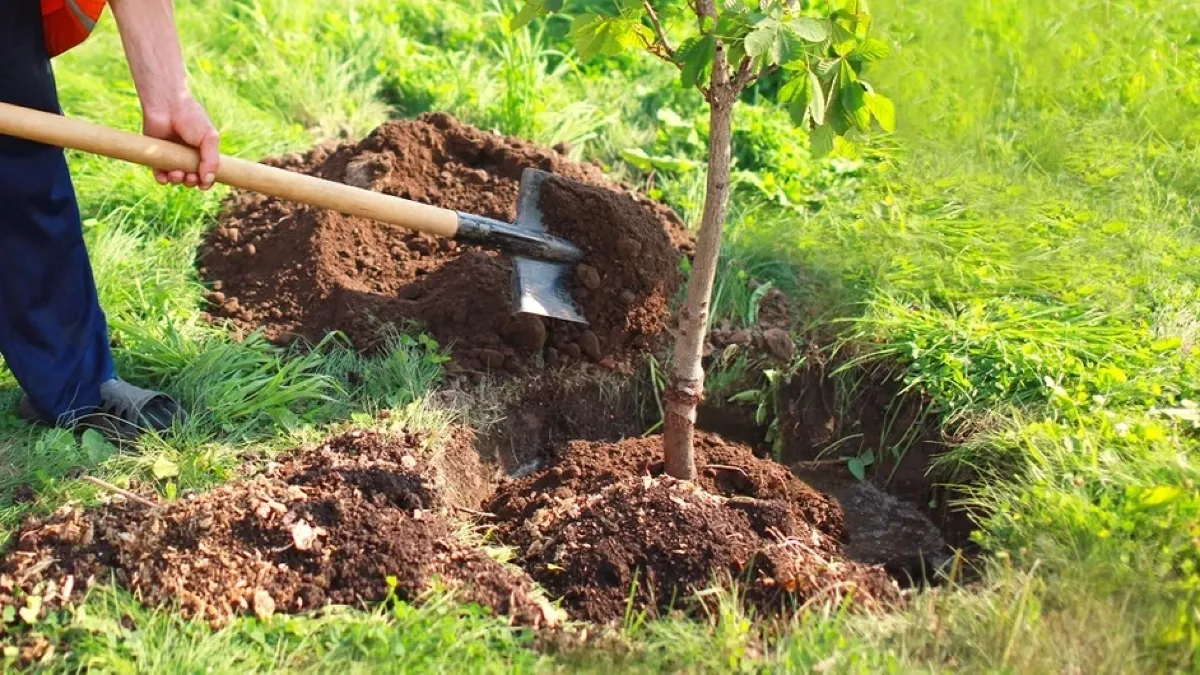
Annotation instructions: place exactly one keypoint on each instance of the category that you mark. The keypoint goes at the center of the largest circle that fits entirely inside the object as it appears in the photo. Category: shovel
(540, 261)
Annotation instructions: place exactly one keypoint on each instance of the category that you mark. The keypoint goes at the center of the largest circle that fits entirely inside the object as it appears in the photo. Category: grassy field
(1022, 250)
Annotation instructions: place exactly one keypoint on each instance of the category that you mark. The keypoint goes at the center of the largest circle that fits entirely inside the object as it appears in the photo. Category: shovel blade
(539, 286)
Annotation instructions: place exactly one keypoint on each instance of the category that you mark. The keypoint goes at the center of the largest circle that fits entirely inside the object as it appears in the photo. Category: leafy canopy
(819, 54)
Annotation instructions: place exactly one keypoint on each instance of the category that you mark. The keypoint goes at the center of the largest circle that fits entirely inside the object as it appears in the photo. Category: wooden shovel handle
(63, 132)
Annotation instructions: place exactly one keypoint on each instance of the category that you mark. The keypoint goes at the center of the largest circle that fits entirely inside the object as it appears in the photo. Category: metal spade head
(539, 286)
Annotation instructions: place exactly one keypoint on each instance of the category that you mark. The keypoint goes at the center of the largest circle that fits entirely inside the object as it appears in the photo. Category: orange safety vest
(67, 23)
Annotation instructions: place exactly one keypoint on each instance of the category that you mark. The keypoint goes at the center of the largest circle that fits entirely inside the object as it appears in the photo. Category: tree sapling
(819, 51)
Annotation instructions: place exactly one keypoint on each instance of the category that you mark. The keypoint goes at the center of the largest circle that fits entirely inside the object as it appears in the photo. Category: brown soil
(296, 271)
(586, 509)
(329, 525)
(811, 419)
(599, 521)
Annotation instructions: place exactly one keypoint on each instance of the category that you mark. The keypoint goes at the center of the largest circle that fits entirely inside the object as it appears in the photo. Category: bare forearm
(168, 110)
(151, 44)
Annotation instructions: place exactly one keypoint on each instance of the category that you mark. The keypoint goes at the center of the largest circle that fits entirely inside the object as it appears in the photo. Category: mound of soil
(296, 271)
(335, 524)
(583, 468)
(598, 522)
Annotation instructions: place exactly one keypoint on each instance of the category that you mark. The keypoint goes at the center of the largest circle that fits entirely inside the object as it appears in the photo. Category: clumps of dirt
(300, 272)
(629, 273)
(336, 524)
(769, 335)
(599, 520)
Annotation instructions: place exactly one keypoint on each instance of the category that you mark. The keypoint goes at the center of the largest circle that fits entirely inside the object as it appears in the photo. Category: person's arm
(169, 112)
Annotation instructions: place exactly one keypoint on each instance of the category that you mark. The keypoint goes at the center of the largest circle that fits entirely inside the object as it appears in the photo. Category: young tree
(819, 54)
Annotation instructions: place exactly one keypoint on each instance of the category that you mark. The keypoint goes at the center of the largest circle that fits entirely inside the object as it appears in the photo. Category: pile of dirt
(300, 272)
(333, 525)
(599, 521)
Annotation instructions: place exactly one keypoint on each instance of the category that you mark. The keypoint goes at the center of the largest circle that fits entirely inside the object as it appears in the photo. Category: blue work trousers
(53, 334)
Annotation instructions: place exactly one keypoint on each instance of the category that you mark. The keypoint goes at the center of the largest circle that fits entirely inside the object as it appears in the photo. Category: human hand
(184, 121)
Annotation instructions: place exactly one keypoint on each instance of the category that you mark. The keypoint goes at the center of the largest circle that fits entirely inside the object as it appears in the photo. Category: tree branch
(705, 8)
(761, 74)
(124, 493)
(658, 29)
(743, 77)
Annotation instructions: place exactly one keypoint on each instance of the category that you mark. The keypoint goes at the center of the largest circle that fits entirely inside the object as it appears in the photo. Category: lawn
(1020, 252)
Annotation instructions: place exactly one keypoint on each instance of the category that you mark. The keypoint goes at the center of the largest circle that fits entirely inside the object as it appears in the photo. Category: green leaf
(745, 396)
(8, 614)
(844, 41)
(766, 42)
(172, 491)
(33, 606)
(825, 67)
(795, 92)
(752, 312)
(608, 35)
(164, 468)
(794, 88)
(836, 116)
(847, 73)
(528, 12)
(95, 448)
(671, 119)
(638, 158)
(809, 29)
(816, 105)
(857, 468)
(820, 141)
(646, 162)
(870, 50)
(883, 109)
(1161, 495)
(854, 101)
(695, 59)
(798, 110)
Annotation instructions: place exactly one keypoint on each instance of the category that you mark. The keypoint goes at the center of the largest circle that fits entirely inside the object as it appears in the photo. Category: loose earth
(337, 524)
(601, 521)
(298, 273)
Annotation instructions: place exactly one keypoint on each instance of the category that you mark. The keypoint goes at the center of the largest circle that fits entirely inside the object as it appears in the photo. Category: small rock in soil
(741, 337)
(590, 345)
(527, 332)
(588, 276)
(492, 359)
(264, 606)
(779, 344)
(628, 248)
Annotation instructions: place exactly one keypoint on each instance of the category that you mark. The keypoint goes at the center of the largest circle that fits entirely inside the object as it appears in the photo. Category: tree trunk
(685, 387)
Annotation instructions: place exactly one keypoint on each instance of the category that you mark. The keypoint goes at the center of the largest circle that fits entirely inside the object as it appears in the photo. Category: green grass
(1021, 251)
